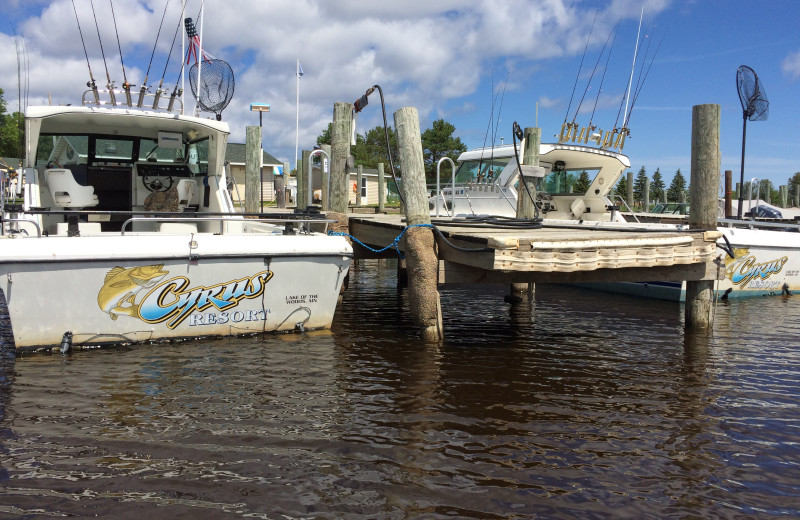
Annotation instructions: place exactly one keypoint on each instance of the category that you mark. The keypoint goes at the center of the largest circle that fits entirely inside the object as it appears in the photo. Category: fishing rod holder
(96, 96)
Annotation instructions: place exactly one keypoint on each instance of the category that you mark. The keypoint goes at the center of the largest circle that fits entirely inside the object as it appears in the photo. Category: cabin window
(485, 171)
(151, 152)
(113, 150)
(62, 150)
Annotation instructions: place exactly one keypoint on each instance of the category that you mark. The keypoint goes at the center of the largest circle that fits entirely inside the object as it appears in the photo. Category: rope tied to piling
(396, 241)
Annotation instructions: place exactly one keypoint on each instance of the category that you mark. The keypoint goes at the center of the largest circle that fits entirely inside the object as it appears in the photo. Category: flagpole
(297, 113)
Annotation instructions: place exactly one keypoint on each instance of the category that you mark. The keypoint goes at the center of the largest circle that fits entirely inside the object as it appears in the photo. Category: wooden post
(340, 151)
(630, 191)
(278, 185)
(252, 170)
(704, 183)
(647, 194)
(302, 180)
(530, 156)
(381, 188)
(359, 176)
(421, 260)
(728, 194)
(784, 195)
(326, 176)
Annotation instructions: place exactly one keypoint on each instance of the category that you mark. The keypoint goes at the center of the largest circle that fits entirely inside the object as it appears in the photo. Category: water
(574, 405)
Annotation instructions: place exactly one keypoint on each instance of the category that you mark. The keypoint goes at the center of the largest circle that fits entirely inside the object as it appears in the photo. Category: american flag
(194, 43)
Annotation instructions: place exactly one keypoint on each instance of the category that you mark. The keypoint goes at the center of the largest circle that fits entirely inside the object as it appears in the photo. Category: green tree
(370, 148)
(325, 136)
(793, 185)
(657, 186)
(10, 131)
(622, 186)
(438, 142)
(677, 188)
(582, 184)
(639, 185)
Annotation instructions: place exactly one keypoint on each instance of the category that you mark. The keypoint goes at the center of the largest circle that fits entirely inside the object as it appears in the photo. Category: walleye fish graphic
(118, 294)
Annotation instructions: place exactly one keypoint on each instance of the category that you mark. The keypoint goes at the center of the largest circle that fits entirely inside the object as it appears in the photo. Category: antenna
(755, 107)
(630, 81)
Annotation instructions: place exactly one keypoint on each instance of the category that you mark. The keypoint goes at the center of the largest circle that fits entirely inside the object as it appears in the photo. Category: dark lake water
(572, 405)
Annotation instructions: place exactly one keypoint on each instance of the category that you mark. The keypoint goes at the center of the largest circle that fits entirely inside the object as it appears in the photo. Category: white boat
(765, 255)
(124, 232)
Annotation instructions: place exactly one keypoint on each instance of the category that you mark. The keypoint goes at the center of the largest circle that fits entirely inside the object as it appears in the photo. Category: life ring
(355, 187)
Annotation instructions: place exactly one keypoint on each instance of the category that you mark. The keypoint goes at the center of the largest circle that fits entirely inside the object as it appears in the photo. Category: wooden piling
(784, 195)
(420, 243)
(629, 194)
(326, 177)
(381, 189)
(279, 186)
(340, 151)
(359, 177)
(530, 156)
(728, 194)
(703, 201)
(646, 194)
(252, 170)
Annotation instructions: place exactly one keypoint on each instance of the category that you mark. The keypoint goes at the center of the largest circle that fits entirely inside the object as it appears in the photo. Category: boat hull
(103, 291)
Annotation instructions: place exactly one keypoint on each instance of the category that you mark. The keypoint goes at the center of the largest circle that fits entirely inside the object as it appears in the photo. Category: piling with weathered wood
(359, 177)
(340, 151)
(252, 170)
(381, 189)
(421, 260)
(728, 194)
(530, 157)
(703, 201)
(629, 190)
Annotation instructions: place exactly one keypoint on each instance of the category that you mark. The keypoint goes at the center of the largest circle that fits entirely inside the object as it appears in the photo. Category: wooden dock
(551, 253)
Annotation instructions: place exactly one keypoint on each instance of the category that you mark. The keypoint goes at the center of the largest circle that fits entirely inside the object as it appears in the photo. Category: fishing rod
(580, 67)
(92, 85)
(639, 87)
(160, 90)
(588, 84)
(143, 89)
(110, 84)
(125, 85)
(603, 78)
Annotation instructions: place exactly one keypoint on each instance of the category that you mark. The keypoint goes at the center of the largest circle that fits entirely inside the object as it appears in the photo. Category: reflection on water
(572, 404)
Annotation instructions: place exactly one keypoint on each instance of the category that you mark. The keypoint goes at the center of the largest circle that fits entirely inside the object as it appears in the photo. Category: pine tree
(639, 185)
(657, 187)
(677, 188)
(582, 184)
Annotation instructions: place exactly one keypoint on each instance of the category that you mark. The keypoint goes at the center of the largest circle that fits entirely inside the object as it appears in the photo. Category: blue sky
(450, 59)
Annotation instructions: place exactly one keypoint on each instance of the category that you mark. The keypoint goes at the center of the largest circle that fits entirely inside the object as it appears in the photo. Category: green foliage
(793, 185)
(622, 186)
(11, 131)
(677, 188)
(325, 136)
(438, 142)
(657, 187)
(640, 185)
(582, 184)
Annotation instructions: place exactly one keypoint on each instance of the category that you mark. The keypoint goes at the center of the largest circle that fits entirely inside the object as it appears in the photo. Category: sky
(479, 64)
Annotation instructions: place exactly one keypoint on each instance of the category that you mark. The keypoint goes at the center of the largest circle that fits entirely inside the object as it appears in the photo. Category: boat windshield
(57, 150)
(485, 170)
(563, 182)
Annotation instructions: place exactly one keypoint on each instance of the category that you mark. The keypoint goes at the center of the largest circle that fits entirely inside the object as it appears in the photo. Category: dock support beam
(421, 260)
(704, 186)
(525, 204)
(252, 170)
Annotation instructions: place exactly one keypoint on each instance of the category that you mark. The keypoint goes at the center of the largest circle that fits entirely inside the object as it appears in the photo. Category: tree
(657, 186)
(677, 188)
(438, 142)
(325, 136)
(622, 186)
(793, 185)
(582, 184)
(370, 148)
(639, 185)
(10, 131)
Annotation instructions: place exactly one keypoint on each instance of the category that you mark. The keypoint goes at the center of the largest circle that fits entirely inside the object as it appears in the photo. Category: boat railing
(4, 219)
(753, 211)
(625, 204)
(134, 99)
(452, 210)
(288, 223)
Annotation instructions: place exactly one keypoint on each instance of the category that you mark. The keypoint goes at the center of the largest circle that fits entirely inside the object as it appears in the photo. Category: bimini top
(123, 121)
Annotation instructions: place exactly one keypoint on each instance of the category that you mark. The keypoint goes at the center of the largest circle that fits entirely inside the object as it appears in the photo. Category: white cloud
(791, 65)
(423, 53)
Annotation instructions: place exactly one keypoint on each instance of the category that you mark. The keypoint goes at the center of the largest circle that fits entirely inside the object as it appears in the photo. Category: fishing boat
(124, 232)
(763, 257)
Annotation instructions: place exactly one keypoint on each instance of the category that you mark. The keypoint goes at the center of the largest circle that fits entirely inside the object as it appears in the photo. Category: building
(235, 156)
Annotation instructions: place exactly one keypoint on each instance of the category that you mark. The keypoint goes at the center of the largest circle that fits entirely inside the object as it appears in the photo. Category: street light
(260, 108)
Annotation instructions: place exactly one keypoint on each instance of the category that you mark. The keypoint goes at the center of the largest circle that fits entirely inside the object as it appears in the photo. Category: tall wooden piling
(340, 151)
(421, 260)
(252, 170)
(728, 194)
(381, 189)
(703, 201)
(629, 194)
(359, 177)
(530, 157)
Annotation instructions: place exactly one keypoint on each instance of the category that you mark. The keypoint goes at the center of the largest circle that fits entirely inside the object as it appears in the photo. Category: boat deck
(552, 253)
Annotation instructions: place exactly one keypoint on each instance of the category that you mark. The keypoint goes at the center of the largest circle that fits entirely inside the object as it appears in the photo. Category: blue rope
(394, 243)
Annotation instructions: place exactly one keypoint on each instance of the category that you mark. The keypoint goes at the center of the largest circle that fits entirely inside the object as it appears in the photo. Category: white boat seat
(66, 191)
(578, 208)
